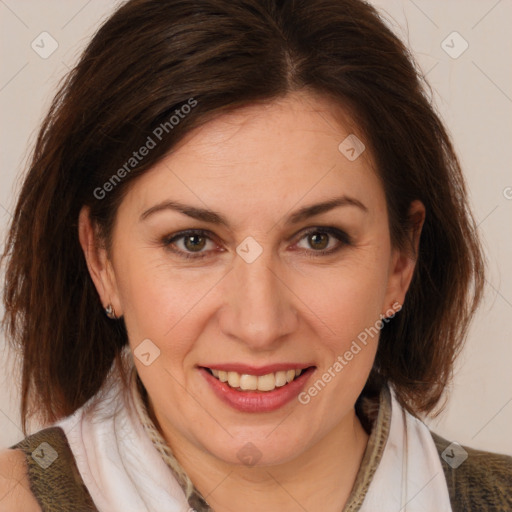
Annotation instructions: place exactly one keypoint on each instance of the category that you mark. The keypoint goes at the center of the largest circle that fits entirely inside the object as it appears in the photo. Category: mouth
(264, 383)
(257, 390)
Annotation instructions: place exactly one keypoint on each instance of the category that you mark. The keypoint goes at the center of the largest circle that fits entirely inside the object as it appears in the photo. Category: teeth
(234, 379)
(246, 382)
(266, 382)
(280, 379)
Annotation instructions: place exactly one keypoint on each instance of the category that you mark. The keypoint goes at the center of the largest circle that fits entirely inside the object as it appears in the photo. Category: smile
(247, 382)
(257, 390)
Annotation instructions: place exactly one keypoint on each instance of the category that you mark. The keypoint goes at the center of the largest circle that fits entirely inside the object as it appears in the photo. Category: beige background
(473, 94)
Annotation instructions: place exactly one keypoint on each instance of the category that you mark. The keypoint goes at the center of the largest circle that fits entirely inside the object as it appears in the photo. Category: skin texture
(15, 494)
(257, 166)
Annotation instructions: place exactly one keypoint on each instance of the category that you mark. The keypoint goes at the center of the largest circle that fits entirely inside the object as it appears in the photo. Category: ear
(98, 263)
(403, 261)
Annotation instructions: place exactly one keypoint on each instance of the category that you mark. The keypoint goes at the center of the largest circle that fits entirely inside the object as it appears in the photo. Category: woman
(239, 270)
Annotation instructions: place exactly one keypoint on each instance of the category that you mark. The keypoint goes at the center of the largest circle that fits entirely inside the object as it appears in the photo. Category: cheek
(347, 323)
(158, 299)
(345, 300)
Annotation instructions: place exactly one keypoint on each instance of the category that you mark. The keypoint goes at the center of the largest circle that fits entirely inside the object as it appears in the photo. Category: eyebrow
(213, 217)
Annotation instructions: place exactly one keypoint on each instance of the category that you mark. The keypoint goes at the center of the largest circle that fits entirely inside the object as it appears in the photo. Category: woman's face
(263, 280)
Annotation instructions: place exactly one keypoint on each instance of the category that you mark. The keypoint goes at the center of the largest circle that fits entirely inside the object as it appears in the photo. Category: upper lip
(257, 370)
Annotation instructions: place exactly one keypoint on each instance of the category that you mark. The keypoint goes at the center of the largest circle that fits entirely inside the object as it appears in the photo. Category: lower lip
(257, 401)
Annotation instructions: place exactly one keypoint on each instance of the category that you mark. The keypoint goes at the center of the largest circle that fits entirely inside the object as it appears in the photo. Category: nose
(258, 307)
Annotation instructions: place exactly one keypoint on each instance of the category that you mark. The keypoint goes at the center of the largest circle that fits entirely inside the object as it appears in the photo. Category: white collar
(409, 477)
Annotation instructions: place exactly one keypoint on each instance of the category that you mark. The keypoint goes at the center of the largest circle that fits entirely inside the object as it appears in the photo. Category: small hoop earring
(111, 312)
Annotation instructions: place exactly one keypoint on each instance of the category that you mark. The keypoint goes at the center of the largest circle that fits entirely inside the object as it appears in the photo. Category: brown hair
(147, 61)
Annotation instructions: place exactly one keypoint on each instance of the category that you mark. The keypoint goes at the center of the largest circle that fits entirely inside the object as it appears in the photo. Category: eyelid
(340, 234)
(169, 240)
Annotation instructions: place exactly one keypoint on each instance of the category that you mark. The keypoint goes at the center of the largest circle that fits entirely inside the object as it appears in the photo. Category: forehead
(265, 155)
(310, 124)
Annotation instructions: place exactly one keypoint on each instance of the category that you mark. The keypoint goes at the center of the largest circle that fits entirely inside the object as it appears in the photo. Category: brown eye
(323, 241)
(190, 244)
(318, 241)
(194, 243)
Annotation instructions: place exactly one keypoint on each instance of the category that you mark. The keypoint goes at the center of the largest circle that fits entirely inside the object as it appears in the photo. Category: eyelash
(341, 236)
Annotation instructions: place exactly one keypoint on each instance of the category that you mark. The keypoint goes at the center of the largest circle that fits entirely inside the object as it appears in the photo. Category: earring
(111, 312)
(392, 311)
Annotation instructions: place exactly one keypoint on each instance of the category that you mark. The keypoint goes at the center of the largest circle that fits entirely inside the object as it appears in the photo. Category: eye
(190, 243)
(324, 241)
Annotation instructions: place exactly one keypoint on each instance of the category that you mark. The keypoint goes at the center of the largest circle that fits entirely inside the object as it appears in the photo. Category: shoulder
(49, 471)
(15, 493)
(476, 479)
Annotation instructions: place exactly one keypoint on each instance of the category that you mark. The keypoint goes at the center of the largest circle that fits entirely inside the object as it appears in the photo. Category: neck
(318, 479)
